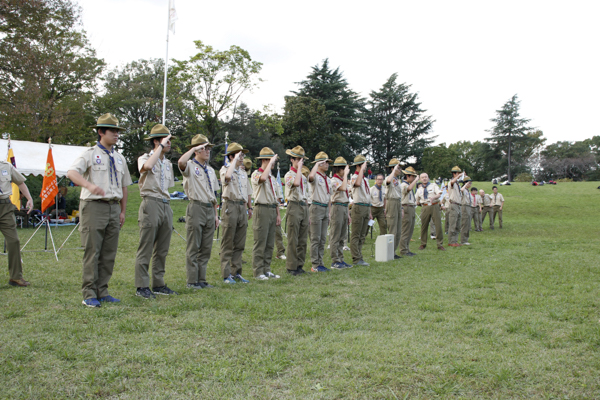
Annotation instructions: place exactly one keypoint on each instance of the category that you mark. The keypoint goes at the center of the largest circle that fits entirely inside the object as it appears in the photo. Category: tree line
(52, 84)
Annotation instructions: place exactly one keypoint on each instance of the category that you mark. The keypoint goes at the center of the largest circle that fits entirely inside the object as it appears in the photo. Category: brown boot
(421, 247)
(18, 282)
(441, 248)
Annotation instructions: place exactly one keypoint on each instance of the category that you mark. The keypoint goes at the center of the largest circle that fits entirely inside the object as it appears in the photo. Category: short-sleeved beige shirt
(455, 193)
(486, 200)
(235, 189)
(195, 182)
(94, 165)
(393, 189)
(408, 196)
(155, 182)
(339, 196)
(375, 202)
(497, 199)
(362, 193)
(466, 196)
(320, 189)
(432, 190)
(247, 189)
(293, 193)
(8, 175)
(265, 192)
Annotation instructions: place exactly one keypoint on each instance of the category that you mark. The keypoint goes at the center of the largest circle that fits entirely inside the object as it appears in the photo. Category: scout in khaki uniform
(155, 217)
(378, 204)
(103, 176)
(409, 205)
(246, 168)
(453, 213)
(477, 210)
(497, 205)
(266, 215)
(296, 187)
(486, 209)
(320, 185)
(466, 212)
(8, 223)
(361, 210)
(393, 209)
(278, 230)
(340, 215)
(446, 208)
(234, 215)
(428, 197)
(200, 184)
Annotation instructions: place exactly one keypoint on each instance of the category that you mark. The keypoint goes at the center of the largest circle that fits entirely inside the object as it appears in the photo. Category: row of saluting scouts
(103, 175)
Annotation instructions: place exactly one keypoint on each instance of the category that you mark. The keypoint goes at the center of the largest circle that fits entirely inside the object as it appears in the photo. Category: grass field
(515, 315)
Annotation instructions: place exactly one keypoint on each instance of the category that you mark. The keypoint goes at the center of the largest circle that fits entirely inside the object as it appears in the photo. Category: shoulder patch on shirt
(4, 172)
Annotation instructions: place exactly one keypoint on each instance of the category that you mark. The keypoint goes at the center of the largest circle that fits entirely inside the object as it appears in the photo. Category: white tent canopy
(31, 157)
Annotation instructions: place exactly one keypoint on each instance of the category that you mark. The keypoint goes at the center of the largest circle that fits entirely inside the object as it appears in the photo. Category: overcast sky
(464, 58)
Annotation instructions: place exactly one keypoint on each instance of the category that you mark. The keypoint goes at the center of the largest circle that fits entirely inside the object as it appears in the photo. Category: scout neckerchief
(239, 180)
(365, 182)
(205, 168)
(425, 191)
(161, 164)
(474, 200)
(326, 184)
(270, 181)
(380, 194)
(301, 185)
(113, 167)
(412, 192)
(340, 178)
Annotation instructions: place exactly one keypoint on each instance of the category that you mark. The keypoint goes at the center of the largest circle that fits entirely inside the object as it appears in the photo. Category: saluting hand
(165, 141)
(346, 170)
(199, 147)
(300, 163)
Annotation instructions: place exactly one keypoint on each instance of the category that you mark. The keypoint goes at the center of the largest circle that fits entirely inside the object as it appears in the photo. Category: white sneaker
(466, 244)
(346, 248)
(272, 275)
(262, 278)
(281, 257)
(432, 236)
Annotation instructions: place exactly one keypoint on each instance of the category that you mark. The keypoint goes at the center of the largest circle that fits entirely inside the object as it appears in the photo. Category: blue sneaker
(91, 302)
(239, 278)
(229, 280)
(346, 264)
(337, 266)
(109, 299)
(320, 268)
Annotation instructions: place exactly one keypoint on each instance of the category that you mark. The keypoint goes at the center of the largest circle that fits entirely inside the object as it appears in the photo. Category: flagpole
(166, 65)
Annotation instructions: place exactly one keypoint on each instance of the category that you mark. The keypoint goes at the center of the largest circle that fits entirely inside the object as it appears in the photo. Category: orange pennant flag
(49, 187)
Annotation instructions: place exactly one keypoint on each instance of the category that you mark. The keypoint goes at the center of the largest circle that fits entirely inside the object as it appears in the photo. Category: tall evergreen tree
(397, 125)
(511, 131)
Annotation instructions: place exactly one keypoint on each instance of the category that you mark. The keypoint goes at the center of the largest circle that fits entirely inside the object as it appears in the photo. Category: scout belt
(341, 204)
(319, 204)
(302, 203)
(363, 204)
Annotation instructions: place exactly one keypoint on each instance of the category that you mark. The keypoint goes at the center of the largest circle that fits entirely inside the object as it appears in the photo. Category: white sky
(464, 58)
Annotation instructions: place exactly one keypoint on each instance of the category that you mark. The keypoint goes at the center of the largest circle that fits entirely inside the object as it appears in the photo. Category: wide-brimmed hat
(305, 170)
(359, 160)
(235, 148)
(409, 171)
(247, 165)
(108, 121)
(296, 152)
(158, 131)
(198, 140)
(322, 156)
(393, 163)
(266, 152)
(467, 179)
(456, 169)
(340, 162)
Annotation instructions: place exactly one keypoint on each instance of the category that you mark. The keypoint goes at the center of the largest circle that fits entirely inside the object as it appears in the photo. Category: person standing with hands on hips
(155, 216)
(200, 185)
(103, 176)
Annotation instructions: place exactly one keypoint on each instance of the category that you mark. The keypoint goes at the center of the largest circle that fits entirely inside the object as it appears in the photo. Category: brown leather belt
(111, 202)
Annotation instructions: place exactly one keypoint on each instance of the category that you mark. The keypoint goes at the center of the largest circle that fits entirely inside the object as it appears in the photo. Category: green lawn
(515, 315)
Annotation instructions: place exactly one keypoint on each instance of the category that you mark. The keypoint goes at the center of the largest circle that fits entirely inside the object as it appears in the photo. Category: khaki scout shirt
(234, 189)
(247, 189)
(375, 196)
(454, 193)
(479, 200)
(393, 189)
(432, 190)
(293, 193)
(497, 199)
(446, 202)
(8, 175)
(278, 191)
(466, 196)
(94, 165)
(408, 196)
(195, 182)
(486, 200)
(266, 192)
(339, 196)
(155, 182)
(320, 189)
(362, 193)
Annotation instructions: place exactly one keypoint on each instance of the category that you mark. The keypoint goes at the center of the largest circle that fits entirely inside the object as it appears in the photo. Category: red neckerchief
(474, 200)
(270, 181)
(340, 178)
(366, 186)
(326, 184)
(301, 185)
